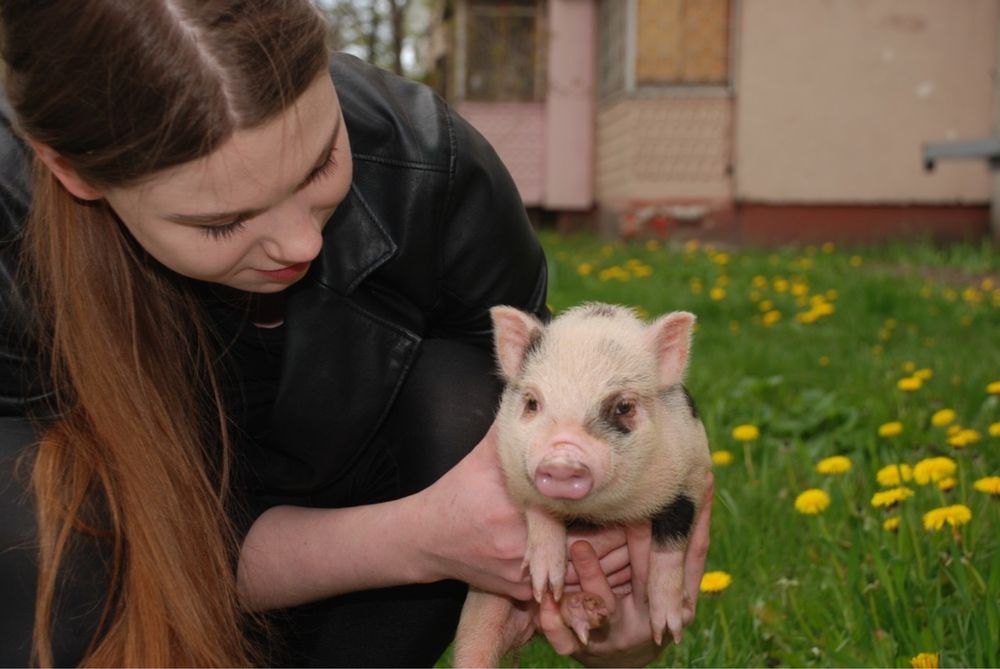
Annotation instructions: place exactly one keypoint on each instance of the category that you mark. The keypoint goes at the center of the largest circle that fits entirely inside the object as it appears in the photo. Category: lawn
(884, 357)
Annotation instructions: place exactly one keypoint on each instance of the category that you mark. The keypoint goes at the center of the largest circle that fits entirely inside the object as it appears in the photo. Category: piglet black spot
(674, 521)
(601, 310)
(690, 402)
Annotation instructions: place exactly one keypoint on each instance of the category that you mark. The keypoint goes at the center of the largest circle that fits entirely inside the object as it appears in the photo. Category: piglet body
(594, 426)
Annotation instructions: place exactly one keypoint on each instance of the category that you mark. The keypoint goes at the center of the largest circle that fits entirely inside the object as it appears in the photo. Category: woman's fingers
(615, 566)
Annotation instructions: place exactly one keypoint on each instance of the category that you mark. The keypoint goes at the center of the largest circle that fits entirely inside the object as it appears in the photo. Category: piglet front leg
(545, 555)
(671, 530)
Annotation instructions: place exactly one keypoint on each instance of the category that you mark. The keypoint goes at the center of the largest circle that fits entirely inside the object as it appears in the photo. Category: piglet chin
(561, 480)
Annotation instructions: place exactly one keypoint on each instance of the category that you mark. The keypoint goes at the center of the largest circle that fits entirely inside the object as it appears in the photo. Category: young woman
(245, 350)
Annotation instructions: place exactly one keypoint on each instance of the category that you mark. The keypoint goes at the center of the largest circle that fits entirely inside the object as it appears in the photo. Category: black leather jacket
(431, 235)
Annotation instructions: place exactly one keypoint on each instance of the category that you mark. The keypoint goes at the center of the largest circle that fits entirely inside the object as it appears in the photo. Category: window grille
(504, 54)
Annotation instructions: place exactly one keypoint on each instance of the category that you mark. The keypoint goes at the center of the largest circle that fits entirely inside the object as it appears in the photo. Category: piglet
(594, 427)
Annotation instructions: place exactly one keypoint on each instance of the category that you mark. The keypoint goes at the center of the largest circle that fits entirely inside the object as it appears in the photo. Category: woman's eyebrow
(203, 219)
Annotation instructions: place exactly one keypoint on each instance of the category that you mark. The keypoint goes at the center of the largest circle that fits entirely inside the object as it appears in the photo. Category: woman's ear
(64, 172)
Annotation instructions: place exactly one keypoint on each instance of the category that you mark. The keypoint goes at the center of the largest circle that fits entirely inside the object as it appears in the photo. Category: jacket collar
(355, 243)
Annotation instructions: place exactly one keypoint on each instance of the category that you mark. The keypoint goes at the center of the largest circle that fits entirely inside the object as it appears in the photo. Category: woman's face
(250, 215)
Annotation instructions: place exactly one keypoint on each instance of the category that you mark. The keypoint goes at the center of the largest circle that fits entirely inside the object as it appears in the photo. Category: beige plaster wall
(836, 97)
(663, 148)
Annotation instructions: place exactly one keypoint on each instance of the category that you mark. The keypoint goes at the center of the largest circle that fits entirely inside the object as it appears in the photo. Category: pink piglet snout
(562, 476)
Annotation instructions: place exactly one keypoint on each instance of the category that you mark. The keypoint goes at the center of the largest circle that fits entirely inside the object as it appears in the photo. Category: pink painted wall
(569, 109)
(835, 99)
(517, 132)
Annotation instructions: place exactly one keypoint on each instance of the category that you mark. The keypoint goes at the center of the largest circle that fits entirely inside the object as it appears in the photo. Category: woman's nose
(294, 236)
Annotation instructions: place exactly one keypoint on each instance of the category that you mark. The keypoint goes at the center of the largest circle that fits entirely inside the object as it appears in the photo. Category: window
(504, 57)
(682, 42)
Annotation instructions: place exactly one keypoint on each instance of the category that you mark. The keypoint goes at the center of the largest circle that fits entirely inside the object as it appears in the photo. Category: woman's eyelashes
(328, 167)
(226, 230)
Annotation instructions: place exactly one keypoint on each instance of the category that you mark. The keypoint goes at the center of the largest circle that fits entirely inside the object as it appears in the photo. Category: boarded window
(682, 42)
(504, 55)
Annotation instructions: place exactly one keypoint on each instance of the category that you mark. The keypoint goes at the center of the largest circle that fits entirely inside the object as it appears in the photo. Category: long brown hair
(123, 90)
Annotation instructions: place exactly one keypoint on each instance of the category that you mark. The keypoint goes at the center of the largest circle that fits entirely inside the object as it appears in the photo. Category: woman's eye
(324, 170)
(224, 231)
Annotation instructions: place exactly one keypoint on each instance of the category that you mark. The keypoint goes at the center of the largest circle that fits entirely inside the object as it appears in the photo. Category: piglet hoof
(583, 612)
(547, 564)
(666, 595)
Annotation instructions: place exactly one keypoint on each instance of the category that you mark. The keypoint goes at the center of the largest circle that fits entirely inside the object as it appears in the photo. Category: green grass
(833, 589)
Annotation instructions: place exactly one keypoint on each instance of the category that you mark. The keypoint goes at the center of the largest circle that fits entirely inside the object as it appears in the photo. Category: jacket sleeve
(491, 255)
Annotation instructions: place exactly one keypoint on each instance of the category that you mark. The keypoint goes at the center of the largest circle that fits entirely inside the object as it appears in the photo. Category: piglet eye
(625, 409)
(530, 405)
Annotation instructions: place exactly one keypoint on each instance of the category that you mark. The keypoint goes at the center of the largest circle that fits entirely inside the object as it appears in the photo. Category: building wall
(663, 148)
(835, 99)
(517, 132)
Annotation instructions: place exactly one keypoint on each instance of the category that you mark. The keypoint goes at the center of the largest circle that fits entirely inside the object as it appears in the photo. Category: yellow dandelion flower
(989, 485)
(986, 284)
(964, 438)
(993, 388)
(947, 484)
(954, 429)
(642, 271)
(715, 581)
(824, 361)
(890, 498)
(828, 248)
(760, 281)
(932, 470)
(909, 384)
(892, 475)
(891, 524)
(584, 268)
(780, 285)
(924, 374)
(771, 317)
(696, 286)
(955, 515)
(765, 305)
(909, 367)
(891, 429)
(832, 294)
(722, 458)
(691, 245)
(812, 502)
(721, 259)
(837, 464)
(746, 433)
(717, 294)
(614, 273)
(943, 418)
(855, 261)
(652, 245)
(995, 429)
(800, 289)
(924, 661)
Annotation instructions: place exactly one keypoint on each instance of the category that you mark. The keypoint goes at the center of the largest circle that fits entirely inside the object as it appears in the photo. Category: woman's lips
(285, 274)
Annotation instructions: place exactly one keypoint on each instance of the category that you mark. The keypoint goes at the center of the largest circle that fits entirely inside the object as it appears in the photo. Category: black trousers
(443, 410)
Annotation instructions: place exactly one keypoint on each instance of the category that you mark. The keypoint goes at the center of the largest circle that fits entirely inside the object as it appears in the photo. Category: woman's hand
(627, 640)
(470, 529)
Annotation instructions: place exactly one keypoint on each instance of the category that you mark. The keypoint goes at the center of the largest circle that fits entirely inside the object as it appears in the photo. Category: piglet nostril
(563, 480)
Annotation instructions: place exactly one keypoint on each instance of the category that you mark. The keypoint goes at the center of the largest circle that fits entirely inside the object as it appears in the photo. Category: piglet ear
(670, 340)
(514, 332)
